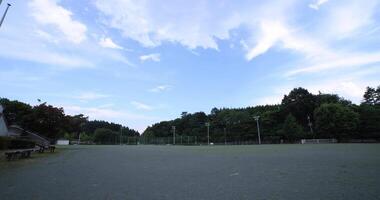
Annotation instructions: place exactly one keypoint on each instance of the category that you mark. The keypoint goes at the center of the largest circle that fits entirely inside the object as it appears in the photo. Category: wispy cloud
(344, 61)
(153, 57)
(317, 4)
(48, 12)
(160, 88)
(107, 42)
(141, 106)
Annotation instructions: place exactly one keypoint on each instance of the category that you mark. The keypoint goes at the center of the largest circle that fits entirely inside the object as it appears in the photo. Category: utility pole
(173, 128)
(208, 132)
(258, 128)
(5, 13)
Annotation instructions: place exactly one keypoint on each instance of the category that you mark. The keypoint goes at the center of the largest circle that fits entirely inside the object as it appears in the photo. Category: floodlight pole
(208, 132)
(258, 128)
(173, 128)
(5, 13)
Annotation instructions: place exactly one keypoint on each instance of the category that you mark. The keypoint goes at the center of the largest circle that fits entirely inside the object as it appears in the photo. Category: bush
(4, 142)
(21, 144)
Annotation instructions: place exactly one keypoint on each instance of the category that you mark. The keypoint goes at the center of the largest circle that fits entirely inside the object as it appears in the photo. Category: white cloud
(153, 57)
(141, 106)
(271, 33)
(317, 4)
(160, 88)
(186, 22)
(48, 12)
(107, 42)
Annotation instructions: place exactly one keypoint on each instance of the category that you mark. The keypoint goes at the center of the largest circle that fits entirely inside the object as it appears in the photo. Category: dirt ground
(331, 171)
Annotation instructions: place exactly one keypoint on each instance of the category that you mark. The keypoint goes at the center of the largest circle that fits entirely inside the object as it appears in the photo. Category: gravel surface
(331, 171)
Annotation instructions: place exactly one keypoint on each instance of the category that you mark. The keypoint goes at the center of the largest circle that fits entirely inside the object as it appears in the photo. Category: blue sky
(140, 62)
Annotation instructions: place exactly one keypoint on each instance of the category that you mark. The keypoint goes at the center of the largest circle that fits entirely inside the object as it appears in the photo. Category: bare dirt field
(324, 171)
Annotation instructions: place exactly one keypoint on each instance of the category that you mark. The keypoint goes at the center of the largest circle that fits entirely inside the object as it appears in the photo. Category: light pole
(258, 128)
(208, 132)
(173, 128)
(5, 13)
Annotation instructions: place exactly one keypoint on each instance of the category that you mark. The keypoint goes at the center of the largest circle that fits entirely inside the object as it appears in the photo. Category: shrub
(21, 144)
(4, 142)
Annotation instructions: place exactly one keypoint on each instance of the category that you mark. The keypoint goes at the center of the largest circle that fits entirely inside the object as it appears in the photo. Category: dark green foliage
(105, 136)
(21, 144)
(14, 143)
(4, 142)
(369, 126)
(291, 130)
(336, 120)
(330, 115)
(300, 103)
(53, 123)
(288, 121)
(372, 96)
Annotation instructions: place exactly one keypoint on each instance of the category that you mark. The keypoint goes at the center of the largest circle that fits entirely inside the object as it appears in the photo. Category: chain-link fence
(197, 140)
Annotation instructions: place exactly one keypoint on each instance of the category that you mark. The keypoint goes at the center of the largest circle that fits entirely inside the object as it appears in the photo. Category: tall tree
(335, 120)
(300, 103)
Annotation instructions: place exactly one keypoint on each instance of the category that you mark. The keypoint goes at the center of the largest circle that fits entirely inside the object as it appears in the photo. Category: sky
(138, 62)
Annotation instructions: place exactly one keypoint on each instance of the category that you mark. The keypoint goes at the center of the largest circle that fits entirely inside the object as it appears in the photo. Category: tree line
(300, 115)
(53, 123)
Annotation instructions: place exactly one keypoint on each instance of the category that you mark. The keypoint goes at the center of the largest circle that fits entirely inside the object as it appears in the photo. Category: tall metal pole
(258, 128)
(5, 13)
(173, 128)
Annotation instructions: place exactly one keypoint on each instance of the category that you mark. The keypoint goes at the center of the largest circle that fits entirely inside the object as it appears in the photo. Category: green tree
(369, 121)
(300, 103)
(335, 120)
(371, 96)
(291, 129)
(105, 136)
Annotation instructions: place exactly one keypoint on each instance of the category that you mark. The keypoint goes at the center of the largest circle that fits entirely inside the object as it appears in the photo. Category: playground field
(324, 171)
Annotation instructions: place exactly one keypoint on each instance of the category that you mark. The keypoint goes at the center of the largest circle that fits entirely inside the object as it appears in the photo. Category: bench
(20, 153)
